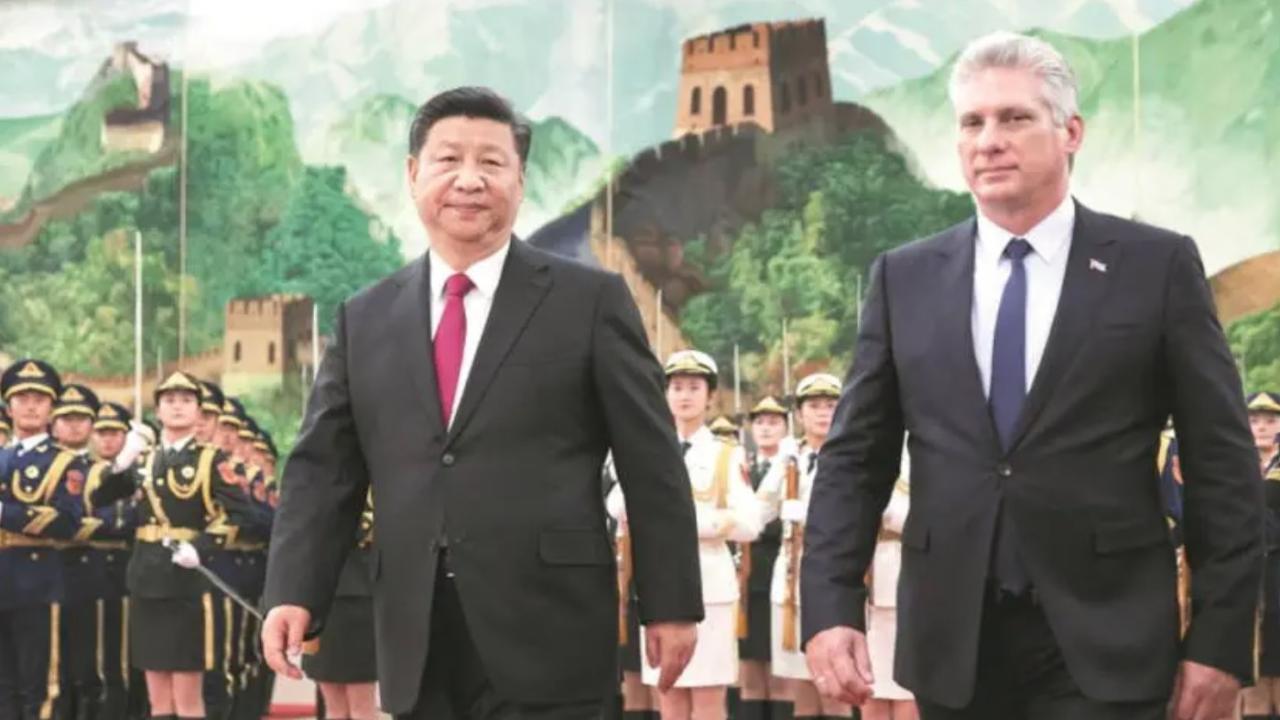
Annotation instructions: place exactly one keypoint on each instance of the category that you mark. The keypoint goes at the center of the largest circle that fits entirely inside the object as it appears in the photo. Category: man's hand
(1203, 693)
(282, 634)
(669, 647)
(840, 665)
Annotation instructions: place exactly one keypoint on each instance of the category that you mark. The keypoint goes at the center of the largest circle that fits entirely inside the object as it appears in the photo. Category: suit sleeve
(647, 460)
(323, 490)
(857, 469)
(1222, 509)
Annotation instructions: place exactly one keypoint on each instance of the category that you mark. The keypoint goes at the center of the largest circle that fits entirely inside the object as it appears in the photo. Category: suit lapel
(525, 281)
(955, 324)
(1083, 289)
(411, 319)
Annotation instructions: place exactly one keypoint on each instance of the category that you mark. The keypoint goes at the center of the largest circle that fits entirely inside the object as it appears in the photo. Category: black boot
(781, 710)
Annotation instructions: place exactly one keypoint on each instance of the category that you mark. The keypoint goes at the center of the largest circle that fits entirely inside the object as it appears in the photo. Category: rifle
(624, 580)
(793, 541)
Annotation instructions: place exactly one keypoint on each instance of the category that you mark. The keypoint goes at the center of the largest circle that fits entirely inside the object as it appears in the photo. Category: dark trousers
(115, 666)
(28, 641)
(1022, 675)
(219, 682)
(81, 683)
(455, 685)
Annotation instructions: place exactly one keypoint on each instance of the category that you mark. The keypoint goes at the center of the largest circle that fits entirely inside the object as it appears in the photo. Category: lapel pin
(1097, 265)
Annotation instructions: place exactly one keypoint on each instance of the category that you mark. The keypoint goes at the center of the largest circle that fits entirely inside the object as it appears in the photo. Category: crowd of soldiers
(107, 524)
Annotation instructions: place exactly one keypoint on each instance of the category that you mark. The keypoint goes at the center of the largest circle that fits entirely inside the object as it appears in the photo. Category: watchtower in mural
(770, 74)
(267, 339)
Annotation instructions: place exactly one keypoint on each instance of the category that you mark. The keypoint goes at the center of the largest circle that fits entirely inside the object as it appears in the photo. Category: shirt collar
(178, 445)
(30, 443)
(1047, 238)
(484, 274)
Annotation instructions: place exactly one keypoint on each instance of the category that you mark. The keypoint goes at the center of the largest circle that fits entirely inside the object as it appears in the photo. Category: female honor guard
(889, 700)
(726, 511)
(761, 692)
(191, 503)
(786, 495)
(345, 665)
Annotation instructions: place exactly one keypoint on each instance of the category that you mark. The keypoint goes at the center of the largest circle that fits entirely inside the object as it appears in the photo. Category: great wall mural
(740, 163)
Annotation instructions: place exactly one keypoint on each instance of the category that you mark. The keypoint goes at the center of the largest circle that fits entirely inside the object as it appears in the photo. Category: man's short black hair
(472, 102)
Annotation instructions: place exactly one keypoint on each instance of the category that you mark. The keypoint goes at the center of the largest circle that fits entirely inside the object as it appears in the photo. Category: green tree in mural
(1255, 341)
(325, 246)
(839, 208)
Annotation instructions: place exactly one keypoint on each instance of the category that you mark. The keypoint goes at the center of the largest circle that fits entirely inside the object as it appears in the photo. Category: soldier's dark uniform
(188, 495)
(113, 508)
(256, 679)
(346, 653)
(40, 509)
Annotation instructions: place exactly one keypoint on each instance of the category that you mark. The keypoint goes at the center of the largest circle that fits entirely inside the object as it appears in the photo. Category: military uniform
(726, 512)
(346, 653)
(40, 509)
(1263, 699)
(787, 656)
(115, 514)
(189, 495)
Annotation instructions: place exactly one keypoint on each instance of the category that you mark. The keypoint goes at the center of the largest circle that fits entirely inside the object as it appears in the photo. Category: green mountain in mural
(1204, 157)
(373, 139)
(21, 140)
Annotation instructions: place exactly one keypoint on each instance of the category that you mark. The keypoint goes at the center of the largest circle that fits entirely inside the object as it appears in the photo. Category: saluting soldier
(815, 398)
(111, 548)
(40, 508)
(190, 503)
(1263, 699)
(763, 697)
(345, 665)
(726, 511)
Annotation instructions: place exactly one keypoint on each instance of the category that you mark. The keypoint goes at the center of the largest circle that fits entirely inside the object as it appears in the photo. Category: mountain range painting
(740, 162)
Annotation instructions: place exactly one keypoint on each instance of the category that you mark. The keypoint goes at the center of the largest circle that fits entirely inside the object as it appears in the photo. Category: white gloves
(793, 511)
(186, 556)
(134, 444)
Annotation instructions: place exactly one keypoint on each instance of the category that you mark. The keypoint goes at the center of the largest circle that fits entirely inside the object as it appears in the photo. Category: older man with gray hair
(1033, 354)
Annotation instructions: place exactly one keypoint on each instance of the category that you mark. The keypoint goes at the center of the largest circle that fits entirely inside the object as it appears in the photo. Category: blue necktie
(1009, 354)
(1008, 392)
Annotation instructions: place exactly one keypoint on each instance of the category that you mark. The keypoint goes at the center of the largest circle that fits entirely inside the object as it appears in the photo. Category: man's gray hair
(1022, 52)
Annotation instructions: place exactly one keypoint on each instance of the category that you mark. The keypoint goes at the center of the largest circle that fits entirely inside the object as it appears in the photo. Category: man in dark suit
(1032, 356)
(477, 392)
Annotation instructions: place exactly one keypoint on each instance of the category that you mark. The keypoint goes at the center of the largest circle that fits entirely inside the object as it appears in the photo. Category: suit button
(448, 459)
(35, 556)
(1004, 471)
(84, 558)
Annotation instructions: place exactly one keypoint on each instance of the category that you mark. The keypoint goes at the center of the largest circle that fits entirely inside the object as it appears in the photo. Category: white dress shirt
(476, 304)
(1046, 267)
(27, 444)
(177, 445)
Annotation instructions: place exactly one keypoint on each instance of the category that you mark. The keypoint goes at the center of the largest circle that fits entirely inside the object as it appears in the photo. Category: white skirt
(788, 664)
(715, 659)
(882, 629)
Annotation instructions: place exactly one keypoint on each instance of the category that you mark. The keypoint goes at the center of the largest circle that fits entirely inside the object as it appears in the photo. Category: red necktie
(450, 338)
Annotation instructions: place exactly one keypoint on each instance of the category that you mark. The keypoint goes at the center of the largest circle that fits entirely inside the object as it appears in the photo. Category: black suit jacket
(563, 373)
(1135, 340)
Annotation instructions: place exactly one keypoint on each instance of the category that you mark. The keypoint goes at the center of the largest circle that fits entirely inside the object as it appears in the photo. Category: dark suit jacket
(1135, 340)
(563, 373)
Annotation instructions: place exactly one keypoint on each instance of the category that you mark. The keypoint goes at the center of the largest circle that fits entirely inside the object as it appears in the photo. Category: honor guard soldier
(345, 665)
(6, 427)
(40, 508)
(762, 697)
(110, 543)
(190, 504)
(83, 582)
(252, 553)
(726, 512)
(786, 496)
(1263, 699)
